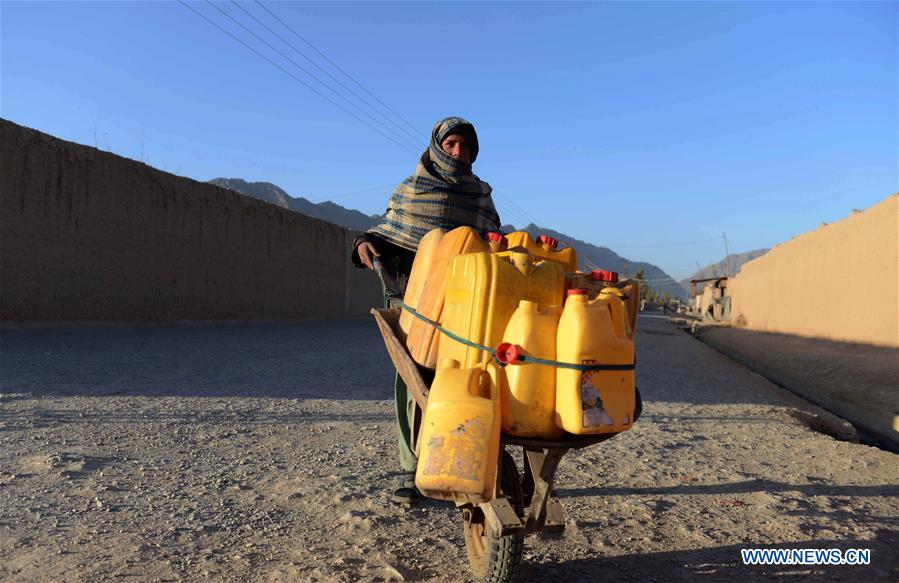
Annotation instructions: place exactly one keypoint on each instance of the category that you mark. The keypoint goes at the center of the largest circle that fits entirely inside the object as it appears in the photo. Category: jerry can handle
(616, 313)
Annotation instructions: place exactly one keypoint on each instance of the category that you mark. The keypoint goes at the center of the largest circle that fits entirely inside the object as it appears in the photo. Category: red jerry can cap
(577, 292)
(495, 237)
(603, 275)
(547, 240)
(508, 353)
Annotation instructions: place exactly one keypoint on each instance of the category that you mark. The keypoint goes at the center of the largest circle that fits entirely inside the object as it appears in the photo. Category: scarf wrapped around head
(443, 193)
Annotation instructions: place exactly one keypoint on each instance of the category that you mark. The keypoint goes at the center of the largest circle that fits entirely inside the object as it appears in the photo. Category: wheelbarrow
(525, 502)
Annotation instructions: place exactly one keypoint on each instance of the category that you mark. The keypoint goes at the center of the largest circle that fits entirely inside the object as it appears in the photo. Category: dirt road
(264, 452)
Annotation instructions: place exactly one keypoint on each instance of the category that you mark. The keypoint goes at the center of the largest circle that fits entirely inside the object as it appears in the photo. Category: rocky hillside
(730, 265)
(328, 211)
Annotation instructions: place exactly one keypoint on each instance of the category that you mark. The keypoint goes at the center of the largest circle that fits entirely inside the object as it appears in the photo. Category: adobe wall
(839, 282)
(87, 235)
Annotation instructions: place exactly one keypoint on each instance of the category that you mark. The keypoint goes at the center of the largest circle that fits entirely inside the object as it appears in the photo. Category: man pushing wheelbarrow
(532, 352)
(441, 194)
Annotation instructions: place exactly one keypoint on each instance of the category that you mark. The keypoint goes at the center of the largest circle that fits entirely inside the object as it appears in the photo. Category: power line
(507, 203)
(294, 77)
(355, 192)
(415, 137)
(510, 206)
(303, 69)
(520, 211)
(350, 77)
(390, 123)
(511, 215)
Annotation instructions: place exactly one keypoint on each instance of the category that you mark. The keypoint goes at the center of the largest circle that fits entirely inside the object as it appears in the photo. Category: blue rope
(443, 330)
(522, 358)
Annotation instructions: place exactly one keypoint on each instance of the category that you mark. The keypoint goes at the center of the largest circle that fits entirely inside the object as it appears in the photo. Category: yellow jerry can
(497, 242)
(460, 435)
(424, 259)
(590, 402)
(614, 296)
(599, 280)
(528, 398)
(630, 290)
(594, 281)
(423, 339)
(545, 248)
(482, 292)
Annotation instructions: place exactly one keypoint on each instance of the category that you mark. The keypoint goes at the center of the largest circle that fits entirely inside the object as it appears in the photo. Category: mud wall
(87, 235)
(839, 282)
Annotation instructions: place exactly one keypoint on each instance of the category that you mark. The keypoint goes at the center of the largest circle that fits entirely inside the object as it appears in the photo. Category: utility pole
(726, 256)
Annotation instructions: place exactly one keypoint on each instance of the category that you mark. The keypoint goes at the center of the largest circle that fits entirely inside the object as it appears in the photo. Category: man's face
(457, 146)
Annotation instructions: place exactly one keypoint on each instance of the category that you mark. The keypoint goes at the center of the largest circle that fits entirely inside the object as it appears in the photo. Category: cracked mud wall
(87, 235)
(838, 282)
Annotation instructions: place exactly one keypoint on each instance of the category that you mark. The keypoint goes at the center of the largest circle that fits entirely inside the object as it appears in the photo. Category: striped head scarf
(441, 194)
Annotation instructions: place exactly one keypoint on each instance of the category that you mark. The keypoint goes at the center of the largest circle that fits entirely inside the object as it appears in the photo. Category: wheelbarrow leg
(544, 513)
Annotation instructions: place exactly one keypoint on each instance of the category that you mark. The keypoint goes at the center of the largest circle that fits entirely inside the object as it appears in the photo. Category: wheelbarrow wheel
(496, 559)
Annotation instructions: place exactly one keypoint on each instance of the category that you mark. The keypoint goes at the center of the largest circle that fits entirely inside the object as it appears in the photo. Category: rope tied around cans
(507, 353)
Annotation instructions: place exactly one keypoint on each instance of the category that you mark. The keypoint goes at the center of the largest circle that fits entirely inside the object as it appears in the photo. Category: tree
(640, 276)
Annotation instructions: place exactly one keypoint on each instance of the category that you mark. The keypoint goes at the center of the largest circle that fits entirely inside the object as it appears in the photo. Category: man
(443, 193)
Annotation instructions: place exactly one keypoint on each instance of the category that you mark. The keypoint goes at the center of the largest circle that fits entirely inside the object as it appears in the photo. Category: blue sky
(632, 125)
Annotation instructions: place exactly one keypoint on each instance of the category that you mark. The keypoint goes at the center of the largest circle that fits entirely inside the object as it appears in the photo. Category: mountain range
(591, 256)
(328, 211)
(595, 257)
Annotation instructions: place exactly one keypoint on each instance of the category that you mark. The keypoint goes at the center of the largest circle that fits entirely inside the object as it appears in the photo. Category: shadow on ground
(723, 563)
(327, 359)
(746, 486)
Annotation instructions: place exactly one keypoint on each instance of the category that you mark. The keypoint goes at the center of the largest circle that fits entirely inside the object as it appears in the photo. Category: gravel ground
(264, 452)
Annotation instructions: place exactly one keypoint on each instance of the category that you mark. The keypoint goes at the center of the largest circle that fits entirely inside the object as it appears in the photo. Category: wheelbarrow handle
(388, 281)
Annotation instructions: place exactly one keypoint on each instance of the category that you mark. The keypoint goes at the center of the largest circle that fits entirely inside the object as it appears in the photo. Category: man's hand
(366, 251)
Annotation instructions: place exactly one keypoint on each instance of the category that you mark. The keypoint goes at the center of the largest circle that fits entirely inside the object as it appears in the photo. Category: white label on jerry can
(594, 413)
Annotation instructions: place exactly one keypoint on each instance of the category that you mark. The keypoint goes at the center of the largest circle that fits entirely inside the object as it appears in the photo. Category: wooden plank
(388, 322)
